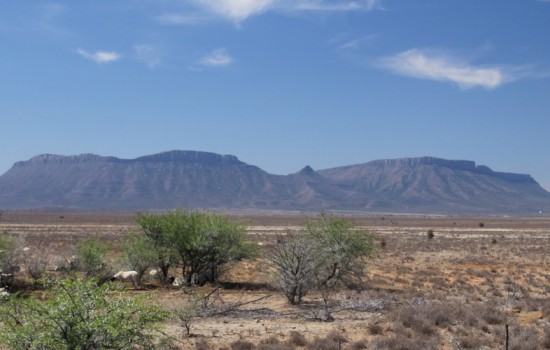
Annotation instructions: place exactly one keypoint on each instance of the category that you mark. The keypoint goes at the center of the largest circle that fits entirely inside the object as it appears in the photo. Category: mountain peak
(307, 170)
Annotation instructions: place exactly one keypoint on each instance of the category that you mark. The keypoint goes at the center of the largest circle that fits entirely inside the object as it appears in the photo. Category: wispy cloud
(239, 10)
(343, 43)
(147, 54)
(417, 64)
(317, 5)
(99, 57)
(217, 58)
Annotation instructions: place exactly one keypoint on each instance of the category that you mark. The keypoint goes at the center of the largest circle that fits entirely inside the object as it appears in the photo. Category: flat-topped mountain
(190, 179)
(430, 184)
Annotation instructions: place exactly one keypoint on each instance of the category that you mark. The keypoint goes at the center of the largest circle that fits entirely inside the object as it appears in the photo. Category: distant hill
(190, 179)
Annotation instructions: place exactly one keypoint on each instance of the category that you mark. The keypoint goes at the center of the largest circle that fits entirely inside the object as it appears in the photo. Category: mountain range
(202, 180)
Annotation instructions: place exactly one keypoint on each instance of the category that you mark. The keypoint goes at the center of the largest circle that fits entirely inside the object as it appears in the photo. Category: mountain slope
(190, 179)
(439, 185)
(160, 181)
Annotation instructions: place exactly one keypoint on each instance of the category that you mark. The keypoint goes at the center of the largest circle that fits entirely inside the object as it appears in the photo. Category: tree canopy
(199, 242)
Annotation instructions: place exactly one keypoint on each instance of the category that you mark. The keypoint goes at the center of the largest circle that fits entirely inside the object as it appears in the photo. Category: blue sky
(281, 84)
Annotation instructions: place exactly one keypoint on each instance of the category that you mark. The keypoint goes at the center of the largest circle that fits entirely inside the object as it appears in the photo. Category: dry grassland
(456, 290)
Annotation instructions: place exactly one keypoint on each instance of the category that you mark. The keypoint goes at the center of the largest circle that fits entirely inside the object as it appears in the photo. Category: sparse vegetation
(186, 314)
(457, 291)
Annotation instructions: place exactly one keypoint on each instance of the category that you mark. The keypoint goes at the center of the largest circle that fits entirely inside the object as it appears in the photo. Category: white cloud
(217, 58)
(236, 10)
(99, 56)
(147, 54)
(239, 10)
(414, 63)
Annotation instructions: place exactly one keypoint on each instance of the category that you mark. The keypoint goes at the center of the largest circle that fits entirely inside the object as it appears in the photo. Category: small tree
(138, 254)
(77, 314)
(342, 254)
(155, 229)
(202, 242)
(91, 254)
(220, 242)
(330, 251)
(295, 259)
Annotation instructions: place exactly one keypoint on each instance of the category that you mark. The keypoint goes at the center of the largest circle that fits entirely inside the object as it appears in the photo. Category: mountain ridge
(195, 179)
(466, 165)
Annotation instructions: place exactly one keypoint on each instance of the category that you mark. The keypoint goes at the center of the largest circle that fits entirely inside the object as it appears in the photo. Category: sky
(281, 84)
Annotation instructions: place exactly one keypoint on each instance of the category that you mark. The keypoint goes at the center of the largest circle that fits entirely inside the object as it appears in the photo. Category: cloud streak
(236, 10)
(217, 58)
(99, 57)
(417, 64)
(239, 10)
(311, 5)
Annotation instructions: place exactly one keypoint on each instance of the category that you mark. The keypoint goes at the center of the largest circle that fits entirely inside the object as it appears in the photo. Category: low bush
(324, 344)
(375, 329)
(360, 345)
(297, 339)
(524, 338)
(242, 344)
(430, 234)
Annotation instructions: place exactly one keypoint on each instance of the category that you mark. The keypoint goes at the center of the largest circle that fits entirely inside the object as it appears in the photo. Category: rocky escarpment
(191, 179)
(440, 185)
(458, 165)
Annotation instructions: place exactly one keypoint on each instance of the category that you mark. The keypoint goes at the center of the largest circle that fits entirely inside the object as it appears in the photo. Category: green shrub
(77, 314)
(91, 254)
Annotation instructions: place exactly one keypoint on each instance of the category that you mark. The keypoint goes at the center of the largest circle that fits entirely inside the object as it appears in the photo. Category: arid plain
(455, 289)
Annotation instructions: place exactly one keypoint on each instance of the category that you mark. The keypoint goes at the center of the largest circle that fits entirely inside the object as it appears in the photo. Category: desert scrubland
(434, 282)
